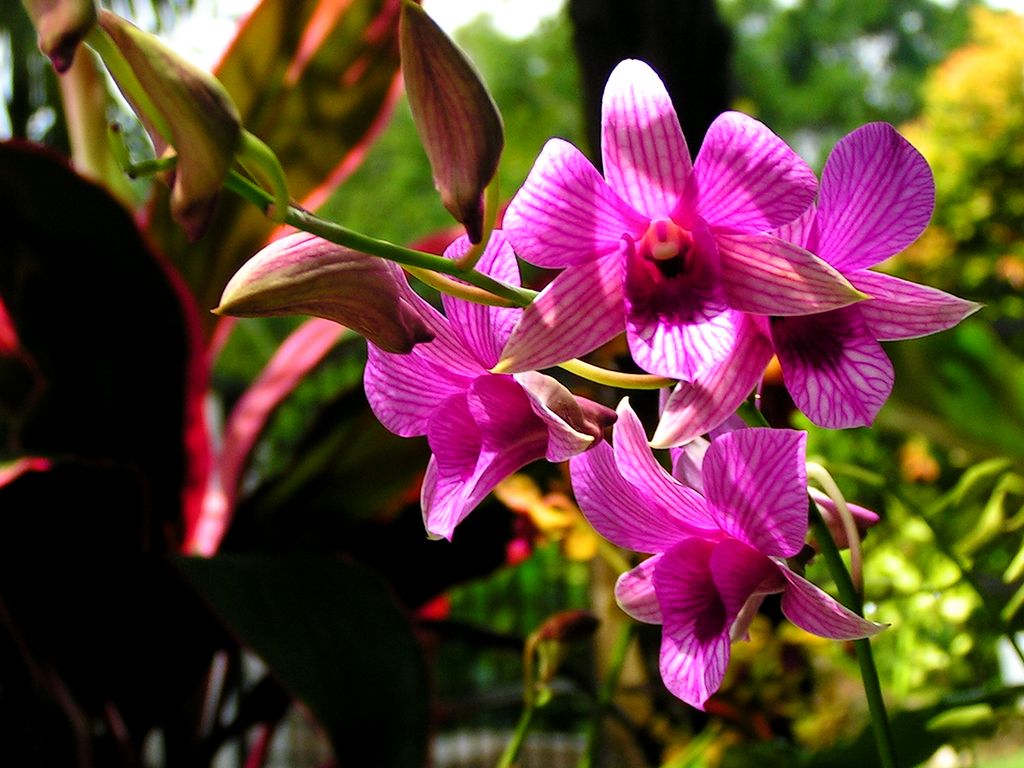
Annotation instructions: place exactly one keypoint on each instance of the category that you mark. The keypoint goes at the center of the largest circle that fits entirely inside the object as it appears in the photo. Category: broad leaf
(331, 632)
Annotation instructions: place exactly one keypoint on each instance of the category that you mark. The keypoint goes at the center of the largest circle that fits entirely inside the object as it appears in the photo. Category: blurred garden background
(323, 628)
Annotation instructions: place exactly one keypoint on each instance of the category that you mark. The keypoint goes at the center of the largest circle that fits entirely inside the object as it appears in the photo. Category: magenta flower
(716, 553)
(876, 198)
(671, 252)
(481, 426)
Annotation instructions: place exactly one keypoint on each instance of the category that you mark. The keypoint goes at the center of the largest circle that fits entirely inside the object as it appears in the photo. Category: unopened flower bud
(195, 115)
(456, 118)
(301, 274)
(863, 518)
(61, 26)
(583, 415)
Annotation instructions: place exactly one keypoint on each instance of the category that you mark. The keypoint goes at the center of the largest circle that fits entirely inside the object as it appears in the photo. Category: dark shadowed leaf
(332, 633)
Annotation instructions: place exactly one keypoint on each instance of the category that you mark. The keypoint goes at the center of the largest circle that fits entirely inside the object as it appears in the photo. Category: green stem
(254, 155)
(615, 378)
(868, 671)
(335, 233)
(518, 737)
(608, 688)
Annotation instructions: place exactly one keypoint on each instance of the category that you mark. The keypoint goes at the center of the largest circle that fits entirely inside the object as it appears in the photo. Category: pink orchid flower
(716, 553)
(877, 195)
(481, 427)
(875, 199)
(670, 251)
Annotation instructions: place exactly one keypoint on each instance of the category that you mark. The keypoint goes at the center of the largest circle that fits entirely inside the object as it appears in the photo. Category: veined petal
(813, 610)
(687, 462)
(765, 275)
(645, 156)
(634, 592)
(485, 329)
(755, 481)
(399, 395)
(899, 309)
(639, 468)
(802, 231)
(577, 312)
(695, 641)
(739, 572)
(837, 373)
(700, 405)
(478, 440)
(622, 513)
(565, 213)
(877, 195)
(571, 429)
(747, 179)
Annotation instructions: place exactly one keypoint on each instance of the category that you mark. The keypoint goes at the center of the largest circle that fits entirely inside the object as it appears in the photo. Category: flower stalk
(869, 672)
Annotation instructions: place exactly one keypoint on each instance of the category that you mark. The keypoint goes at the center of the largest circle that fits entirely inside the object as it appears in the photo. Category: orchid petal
(570, 429)
(638, 467)
(899, 309)
(700, 405)
(755, 481)
(746, 178)
(695, 642)
(739, 572)
(478, 440)
(634, 592)
(877, 195)
(646, 160)
(484, 329)
(681, 350)
(765, 275)
(580, 310)
(813, 610)
(398, 395)
(622, 513)
(687, 462)
(836, 372)
(802, 231)
(565, 214)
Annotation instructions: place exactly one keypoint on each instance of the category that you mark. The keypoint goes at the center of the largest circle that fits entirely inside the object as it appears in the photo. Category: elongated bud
(194, 114)
(301, 274)
(863, 518)
(61, 26)
(456, 118)
(581, 414)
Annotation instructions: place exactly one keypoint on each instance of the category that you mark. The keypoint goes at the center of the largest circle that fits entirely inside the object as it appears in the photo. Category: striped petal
(813, 610)
(765, 275)
(638, 467)
(577, 312)
(565, 213)
(695, 641)
(877, 195)
(404, 390)
(623, 513)
(484, 330)
(837, 373)
(698, 406)
(755, 482)
(634, 592)
(573, 424)
(899, 309)
(646, 160)
(478, 439)
(746, 178)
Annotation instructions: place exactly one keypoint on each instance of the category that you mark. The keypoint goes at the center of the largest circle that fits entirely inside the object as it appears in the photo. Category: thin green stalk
(615, 378)
(868, 671)
(335, 233)
(608, 688)
(518, 737)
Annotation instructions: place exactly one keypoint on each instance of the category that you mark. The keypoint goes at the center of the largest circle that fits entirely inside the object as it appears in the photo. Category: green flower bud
(301, 274)
(61, 26)
(456, 118)
(193, 113)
